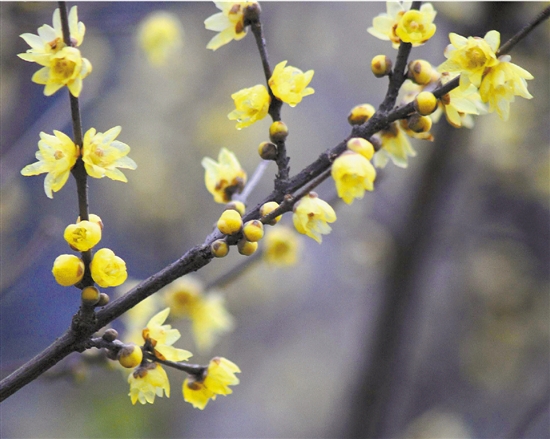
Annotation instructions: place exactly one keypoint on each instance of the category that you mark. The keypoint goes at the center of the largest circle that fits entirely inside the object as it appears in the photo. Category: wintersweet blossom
(56, 156)
(352, 174)
(501, 83)
(68, 270)
(395, 146)
(312, 215)
(229, 23)
(107, 269)
(162, 337)
(224, 177)
(471, 57)
(148, 381)
(82, 236)
(290, 84)
(49, 40)
(160, 36)
(251, 105)
(416, 26)
(216, 381)
(281, 246)
(102, 154)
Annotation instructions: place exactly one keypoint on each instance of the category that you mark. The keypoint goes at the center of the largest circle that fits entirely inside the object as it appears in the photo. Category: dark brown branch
(505, 48)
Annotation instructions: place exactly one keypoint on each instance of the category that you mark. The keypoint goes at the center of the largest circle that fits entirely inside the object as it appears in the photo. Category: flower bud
(110, 335)
(130, 356)
(361, 146)
(219, 248)
(253, 230)
(230, 222)
(419, 124)
(68, 270)
(103, 299)
(247, 248)
(269, 207)
(425, 103)
(381, 66)
(237, 206)
(360, 114)
(278, 132)
(420, 71)
(90, 296)
(267, 151)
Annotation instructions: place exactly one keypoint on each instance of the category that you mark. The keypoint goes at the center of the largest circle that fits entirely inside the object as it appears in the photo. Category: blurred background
(423, 314)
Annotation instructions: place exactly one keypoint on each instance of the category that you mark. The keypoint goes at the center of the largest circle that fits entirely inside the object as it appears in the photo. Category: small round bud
(219, 248)
(360, 114)
(90, 295)
(425, 103)
(253, 230)
(236, 205)
(103, 299)
(247, 248)
(381, 66)
(361, 146)
(419, 124)
(110, 335)
(269, 207)
(130, 356)
(230, 222)
(278, 132)
(267, 151)
(420, 71)
(68, 270)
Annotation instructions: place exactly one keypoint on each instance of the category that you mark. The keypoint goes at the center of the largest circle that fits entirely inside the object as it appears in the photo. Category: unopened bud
(360, 114)
(267, 151)
(381, 66)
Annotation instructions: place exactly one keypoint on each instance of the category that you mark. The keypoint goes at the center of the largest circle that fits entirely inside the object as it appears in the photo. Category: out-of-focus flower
(471, 57)
(501, 83)
(162, 337)
(102, 154)
(108, 270)
(56, 156)
(352, 174)
(312, 215)
(251, 105)
(148, 381)
(82, 236)
(229, 23)
(395, 146)
(281, 246)
(160, 36)
(290, 84)
(49, 40)
(417, 27)
(217, 379)
(224, 177)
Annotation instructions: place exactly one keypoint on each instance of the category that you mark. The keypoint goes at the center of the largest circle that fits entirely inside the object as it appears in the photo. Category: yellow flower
(290, 84)
(64, 68)
(353, 174)
(224, 177)
(417, 27)
(207, 312)
(102, 154)
(281, 246)
(470, 57)
(148, 381)
(49, 40)
(56, 155)
(108, 270)
(218, 377)
(501, 83)
(395, 146)
(82, 236)
(160, 36)
(162, 337)
(311, 215)
(229, 23)
(68, 270)
(251, 105)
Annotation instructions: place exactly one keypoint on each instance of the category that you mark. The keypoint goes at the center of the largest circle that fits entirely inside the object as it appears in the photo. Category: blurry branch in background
(288, 191)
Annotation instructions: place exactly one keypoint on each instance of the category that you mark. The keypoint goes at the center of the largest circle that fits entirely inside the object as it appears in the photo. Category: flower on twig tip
(224, 177)
(251, 105)
(229, 23)
(107, 269)
(148, 381)
(216, 381)
(49, 40)
(312, 215)
(102, 154)
(417, 27)
(281, 246)
(160, 36)
(395, 146)
(352, 174)
(162, 337)
(56, 156)
(290, 84)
